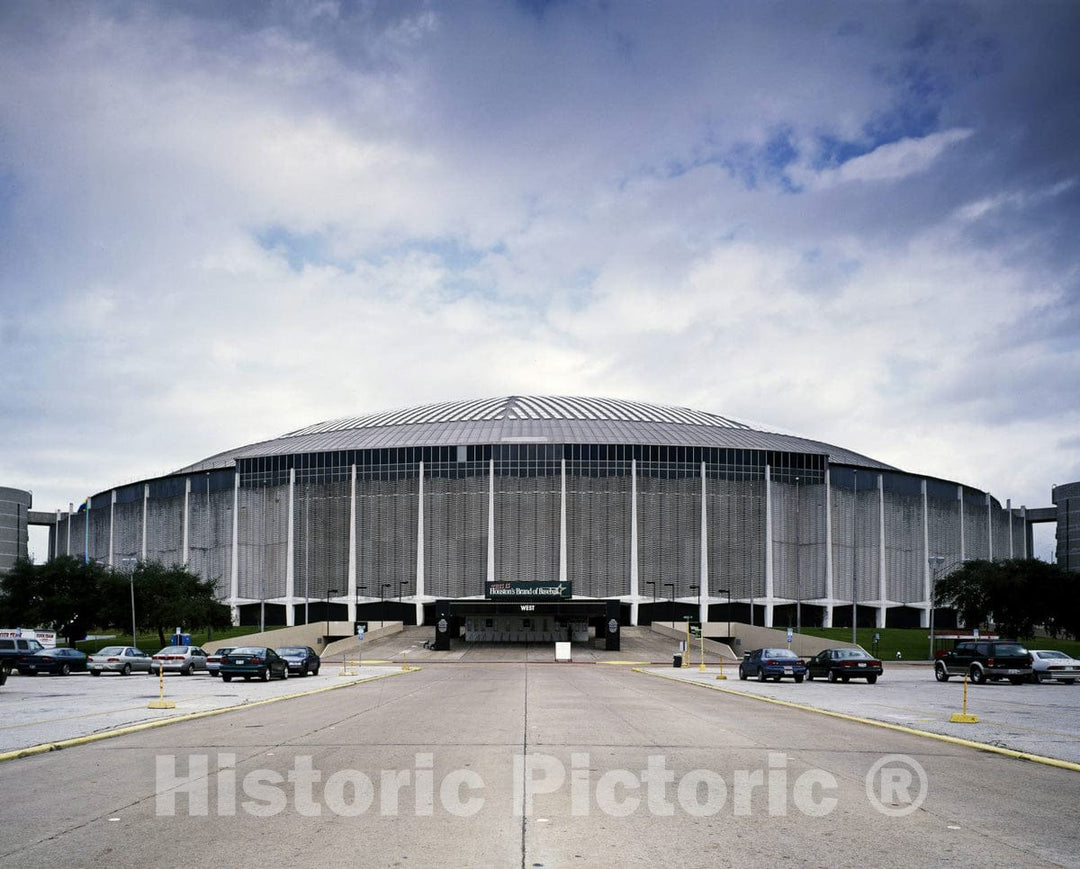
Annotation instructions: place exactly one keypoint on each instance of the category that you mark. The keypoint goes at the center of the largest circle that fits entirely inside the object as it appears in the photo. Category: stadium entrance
(526, 612)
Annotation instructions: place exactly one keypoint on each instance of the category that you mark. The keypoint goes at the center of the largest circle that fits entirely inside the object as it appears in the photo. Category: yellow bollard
(963, 717)
(721, 674)
(161, 702)
(701, 635)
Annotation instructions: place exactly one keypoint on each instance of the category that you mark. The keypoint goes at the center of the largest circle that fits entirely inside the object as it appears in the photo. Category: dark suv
(985, 659)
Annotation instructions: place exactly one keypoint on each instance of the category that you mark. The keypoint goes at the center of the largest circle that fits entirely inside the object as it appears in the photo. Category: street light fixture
(935, 562)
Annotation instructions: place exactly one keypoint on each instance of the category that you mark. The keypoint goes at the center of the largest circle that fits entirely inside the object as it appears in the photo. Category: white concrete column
(703, 572)
(634, 575)
(828, 620)
(924, 617)
(770, 600)
(187, 519)
(963, 541)
(563, 577)
(290, 551)
(145, 507)
(420, 549)
(491, 522)
(883, 585)
(352, 546)
(112, 526)
(234, 556)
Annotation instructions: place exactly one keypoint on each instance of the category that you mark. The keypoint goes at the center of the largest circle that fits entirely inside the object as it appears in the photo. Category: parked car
(985, 659)
(253, 661)
(213, 660)
(124, 660)
(13, 649)
(301, 659)
(844, 665)
(184, 660)
(59, 661)
(1049, 664)
(772, 664)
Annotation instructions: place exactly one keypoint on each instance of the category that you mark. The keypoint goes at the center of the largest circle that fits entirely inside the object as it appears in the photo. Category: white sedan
(1050, 664)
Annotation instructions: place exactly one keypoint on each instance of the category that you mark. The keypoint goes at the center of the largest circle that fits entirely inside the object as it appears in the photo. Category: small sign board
(523, 590)
(562, 651)
(790, 635)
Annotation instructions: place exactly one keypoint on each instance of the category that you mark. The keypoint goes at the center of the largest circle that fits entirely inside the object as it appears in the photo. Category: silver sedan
(124, 660)
(1049, 664)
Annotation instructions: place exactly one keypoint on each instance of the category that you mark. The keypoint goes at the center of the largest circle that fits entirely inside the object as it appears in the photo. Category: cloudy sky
(855, 221)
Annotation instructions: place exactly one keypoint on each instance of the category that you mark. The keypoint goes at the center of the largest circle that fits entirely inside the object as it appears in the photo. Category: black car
(301, 659)
(60, 661)
(843, 665)
(980, 660)
(772, 664)
(253, 661)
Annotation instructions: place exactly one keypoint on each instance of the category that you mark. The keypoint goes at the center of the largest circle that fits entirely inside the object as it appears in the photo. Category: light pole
(131, 580)
(671, 585)
(686, 657)
(935, 562)
(727, 591)
(330, 592)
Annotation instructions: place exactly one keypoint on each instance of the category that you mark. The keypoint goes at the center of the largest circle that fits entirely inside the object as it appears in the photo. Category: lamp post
(131, 580)
(382, 605)
(935, 562)
(330, 592)
(686, 657)
(727, 591)
(671, 585)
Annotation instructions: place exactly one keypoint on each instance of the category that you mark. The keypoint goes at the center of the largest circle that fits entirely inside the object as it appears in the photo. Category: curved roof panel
(532, 419)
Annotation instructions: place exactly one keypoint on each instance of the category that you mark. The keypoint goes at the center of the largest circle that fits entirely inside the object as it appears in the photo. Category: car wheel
(798, 679)
(1016, 680)
(870, 680)
(831, 676)
(95, 672)
(977, 674)
(845, 679)
(304, 670)
(126, 670)
(226, 678)
(742, 675)
(760, 675)
(265, 675)
(315, 672)
(284, 672)
(1069, 681)
(65, 670)
(1038, 677)
(940, 673)
(809, 676)
(185, 671)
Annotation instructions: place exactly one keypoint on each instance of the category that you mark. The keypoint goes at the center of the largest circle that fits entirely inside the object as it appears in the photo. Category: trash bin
(677, 662)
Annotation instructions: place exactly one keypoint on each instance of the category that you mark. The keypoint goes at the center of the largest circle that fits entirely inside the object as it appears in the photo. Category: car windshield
(779, 653)
(174, 650)
(287, 651)
(851, 653)
(224, 651)
(1051, 654)
(248, 650)
(110, 650)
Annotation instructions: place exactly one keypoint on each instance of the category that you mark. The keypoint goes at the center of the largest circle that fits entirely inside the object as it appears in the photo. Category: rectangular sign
(527, 590)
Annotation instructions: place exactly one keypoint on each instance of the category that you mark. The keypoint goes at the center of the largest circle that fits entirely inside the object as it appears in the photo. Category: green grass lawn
(150, 643)
(913, 644)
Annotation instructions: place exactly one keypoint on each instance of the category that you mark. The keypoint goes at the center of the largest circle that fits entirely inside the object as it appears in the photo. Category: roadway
(531, 765)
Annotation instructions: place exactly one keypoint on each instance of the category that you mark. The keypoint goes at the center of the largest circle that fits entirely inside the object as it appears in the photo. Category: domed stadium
(656, 512)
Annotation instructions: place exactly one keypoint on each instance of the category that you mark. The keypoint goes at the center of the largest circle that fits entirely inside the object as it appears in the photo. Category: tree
(1015, 595)
(61, 595)
(167, 597)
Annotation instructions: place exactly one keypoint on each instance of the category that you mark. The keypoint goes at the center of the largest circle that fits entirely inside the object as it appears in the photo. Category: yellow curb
(624, 663)
(161, 722)
(900, 728)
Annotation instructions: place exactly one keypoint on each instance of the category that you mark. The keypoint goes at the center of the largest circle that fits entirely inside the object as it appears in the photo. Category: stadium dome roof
(532, 419)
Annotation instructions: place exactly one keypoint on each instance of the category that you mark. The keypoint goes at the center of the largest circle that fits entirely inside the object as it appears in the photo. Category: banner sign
(527, 590)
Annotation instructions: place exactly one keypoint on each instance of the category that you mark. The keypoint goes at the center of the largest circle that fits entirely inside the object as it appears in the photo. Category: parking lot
(1036, 719)
(39, 710)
